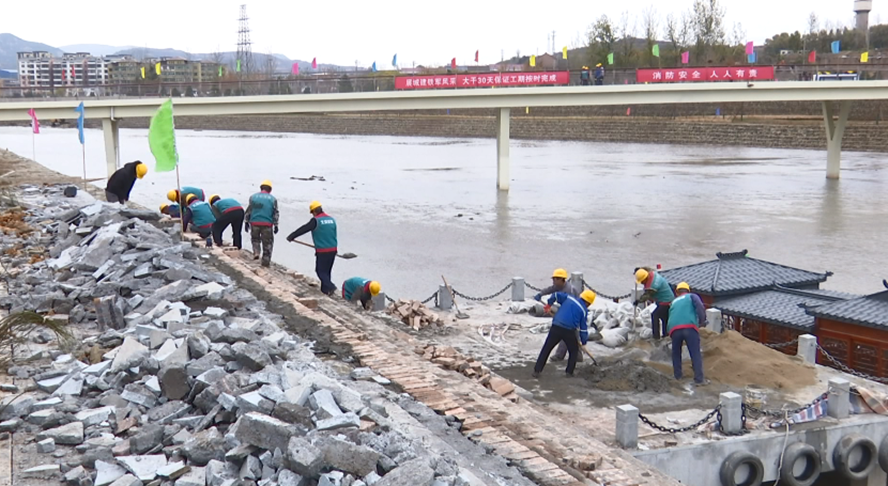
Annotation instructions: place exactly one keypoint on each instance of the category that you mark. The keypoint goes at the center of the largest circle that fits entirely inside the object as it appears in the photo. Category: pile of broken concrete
(179, 377)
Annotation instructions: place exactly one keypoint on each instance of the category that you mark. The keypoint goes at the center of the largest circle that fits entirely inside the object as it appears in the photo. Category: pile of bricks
(449, 358)
(414, 314)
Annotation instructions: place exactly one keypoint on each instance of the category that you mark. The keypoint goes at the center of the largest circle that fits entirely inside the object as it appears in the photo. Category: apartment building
(77, 69)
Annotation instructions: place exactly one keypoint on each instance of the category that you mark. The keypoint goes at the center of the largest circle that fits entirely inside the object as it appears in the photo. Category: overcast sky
(345, 31)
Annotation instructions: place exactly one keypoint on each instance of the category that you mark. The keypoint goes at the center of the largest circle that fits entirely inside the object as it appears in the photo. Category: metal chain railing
(782, 345)
(481, 299)
(423, 302)
(532, 287)
(721, 427)
(846, 369)
(783, 412)
(675, 430)
(609, 297)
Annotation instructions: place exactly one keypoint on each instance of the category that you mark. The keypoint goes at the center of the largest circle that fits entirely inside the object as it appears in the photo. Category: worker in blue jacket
(179, 197)
(686, 315)
(568, 326)
(323, 234)
(171, 210)
(656, 288)
(228, 212)
(199, 215)
(559, 284)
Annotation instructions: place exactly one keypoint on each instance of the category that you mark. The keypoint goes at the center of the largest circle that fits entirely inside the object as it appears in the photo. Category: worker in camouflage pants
(262, 222)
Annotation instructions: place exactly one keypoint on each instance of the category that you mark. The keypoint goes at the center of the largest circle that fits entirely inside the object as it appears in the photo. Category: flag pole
(83, 145)
(33, 144)
(178, 182)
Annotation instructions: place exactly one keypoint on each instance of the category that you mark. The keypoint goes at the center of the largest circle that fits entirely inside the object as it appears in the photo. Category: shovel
(347, 256)
(583, 349)
(459, 315)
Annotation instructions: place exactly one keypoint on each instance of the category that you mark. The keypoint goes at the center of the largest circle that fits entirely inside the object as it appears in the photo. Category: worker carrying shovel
(559, 284)
(570, 318)
(656, 288)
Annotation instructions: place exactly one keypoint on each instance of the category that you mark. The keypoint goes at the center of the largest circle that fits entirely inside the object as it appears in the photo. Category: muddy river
(416, 208)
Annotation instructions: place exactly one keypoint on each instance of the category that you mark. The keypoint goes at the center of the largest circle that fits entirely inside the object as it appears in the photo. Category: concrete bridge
(835, 120)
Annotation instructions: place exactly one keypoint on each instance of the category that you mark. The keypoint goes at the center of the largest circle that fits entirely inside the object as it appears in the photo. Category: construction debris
(187, 379)
(414, 314)
(449, 358)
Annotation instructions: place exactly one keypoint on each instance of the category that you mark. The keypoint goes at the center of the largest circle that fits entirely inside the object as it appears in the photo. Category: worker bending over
(171, 210)
(686, 315)
(559, 284)
(323, 233)
(568, 326)
(228, 212)
(200, 216)
(178, 197)
(357, 289)
(121, 182)
(656, 288)
(262, 222)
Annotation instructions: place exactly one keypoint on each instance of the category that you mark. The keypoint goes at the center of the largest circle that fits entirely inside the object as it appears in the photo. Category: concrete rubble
(183, 379)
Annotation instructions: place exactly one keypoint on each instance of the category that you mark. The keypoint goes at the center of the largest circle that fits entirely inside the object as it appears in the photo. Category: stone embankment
(179, 376)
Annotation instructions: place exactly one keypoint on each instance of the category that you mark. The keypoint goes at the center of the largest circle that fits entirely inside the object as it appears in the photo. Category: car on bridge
(837, 76)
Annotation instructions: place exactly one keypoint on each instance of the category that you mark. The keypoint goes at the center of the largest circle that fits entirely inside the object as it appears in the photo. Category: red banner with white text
(482, 80)
(681, 75)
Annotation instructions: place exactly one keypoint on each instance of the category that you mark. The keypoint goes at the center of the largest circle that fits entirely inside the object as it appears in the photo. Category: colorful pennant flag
(864, 57)
(162, 138)
(629, 111)
(836, 47)
(35, 125)
(750, 48)
(314, 63)
(453, 63)
(610, 58)
(533, 61)
(220, 71)
(373, 67)
(476, 56)
(564, 52)
(395, 61)
(656, 50)
(295, 69)
(812, 57)
(157, 68)
(686, 57)
(751, 58)
(237, 67)
(80, 110)
(143, 71)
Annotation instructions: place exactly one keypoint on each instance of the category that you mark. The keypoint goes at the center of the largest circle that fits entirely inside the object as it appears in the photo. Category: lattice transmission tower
(244, 46)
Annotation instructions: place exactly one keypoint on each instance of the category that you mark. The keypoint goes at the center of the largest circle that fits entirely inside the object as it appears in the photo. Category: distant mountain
(10, 45)
(4, 74)
(95, 49)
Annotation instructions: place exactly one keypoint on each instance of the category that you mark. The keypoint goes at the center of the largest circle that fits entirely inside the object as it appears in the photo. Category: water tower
(862, 8)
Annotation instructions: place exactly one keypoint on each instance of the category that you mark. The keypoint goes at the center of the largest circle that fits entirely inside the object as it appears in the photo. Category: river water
(595, 207)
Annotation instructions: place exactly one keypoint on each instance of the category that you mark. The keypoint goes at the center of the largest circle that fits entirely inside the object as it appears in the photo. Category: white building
(79, 69)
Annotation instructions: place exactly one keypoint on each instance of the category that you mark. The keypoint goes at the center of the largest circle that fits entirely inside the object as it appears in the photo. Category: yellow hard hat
(212, 198)
(141, 170)
(683, 286)
(588, 296)
(173, 195)
(164, 206)
(598, 65)
(314, 205)
(266, 182)
(190, 198)
(641, 275)
(560, 273)
(375, 288)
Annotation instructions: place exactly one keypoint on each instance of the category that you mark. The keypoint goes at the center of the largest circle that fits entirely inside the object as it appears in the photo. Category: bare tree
(709, 29)
(678, 32)
(813, 23)
(602, 40)
(626, 33)
(738, 35)
(651, 25)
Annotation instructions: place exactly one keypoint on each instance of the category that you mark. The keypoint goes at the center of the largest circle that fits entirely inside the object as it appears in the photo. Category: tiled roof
(736, 273)
(781, 306)
(869, 310)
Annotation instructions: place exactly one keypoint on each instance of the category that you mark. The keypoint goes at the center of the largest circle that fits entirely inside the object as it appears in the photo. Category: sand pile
(732, 359)
(625, 374)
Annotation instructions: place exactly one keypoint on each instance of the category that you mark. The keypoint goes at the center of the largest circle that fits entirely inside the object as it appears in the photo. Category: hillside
(10, 45)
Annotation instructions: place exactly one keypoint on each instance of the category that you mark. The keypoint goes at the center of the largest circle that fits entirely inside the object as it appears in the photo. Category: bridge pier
(835, 130)
(502, 149)
(111, 130)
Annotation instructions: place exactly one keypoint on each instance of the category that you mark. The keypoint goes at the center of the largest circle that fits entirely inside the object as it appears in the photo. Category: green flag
(610, 58)
(238, 65)
(656, 50)
(220, 71)
(162, 138)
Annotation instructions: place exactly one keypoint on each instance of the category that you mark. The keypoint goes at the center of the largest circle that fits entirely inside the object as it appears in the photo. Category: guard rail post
(839, 399)
(731, 412)
(627, 426)
(379, 302)
(445, 300)
(807, 348)
(716, 324)
(517, 289)
(576, 279)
